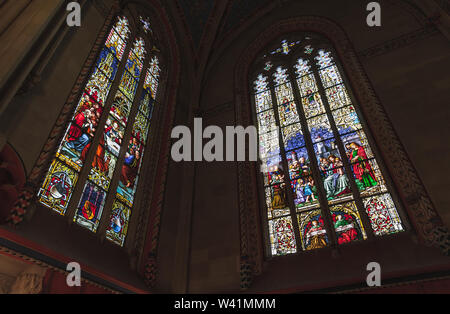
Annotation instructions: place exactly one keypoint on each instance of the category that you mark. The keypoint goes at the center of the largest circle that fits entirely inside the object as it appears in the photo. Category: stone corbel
(6, 282)
(29, 281)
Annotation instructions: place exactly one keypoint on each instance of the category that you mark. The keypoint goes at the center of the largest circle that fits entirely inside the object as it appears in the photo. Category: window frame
(288, 61)
(151, 42)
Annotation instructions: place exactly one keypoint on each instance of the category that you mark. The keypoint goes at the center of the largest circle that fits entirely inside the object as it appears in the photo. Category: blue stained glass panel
(347, 120)
(293, 137)
(320, 128)
(118, 223)
(108, 63)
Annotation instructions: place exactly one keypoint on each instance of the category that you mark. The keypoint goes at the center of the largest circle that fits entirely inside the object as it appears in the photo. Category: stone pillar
(25, 33)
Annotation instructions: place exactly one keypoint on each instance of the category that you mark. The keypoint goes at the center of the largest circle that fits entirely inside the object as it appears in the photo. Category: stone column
(25, 33)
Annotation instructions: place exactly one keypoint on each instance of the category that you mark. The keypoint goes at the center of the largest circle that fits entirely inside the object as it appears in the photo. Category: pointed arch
(414, 198)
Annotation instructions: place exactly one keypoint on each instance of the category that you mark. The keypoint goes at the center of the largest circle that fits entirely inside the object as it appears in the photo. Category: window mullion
(84, 175)
(261, 186)
(284, 162)
(357, 196)
(312, 157)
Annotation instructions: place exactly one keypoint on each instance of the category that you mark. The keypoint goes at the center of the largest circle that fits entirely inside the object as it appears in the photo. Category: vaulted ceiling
(196, 14)
(200, 14)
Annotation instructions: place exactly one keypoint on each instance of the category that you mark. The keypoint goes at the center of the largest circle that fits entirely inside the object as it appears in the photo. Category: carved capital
(29, 281)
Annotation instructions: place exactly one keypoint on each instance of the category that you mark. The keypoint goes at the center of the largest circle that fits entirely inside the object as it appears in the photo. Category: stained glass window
(131, 167)
(320, 173)
(74, 148)
(124, 110)
(111, 141)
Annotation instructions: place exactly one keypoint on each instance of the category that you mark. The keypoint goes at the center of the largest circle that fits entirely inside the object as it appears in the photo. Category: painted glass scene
(129, 111)
(327, 162)
(75, 146)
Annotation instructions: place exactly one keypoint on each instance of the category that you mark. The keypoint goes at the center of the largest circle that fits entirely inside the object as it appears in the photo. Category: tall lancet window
(131, 166)
(113, 115)
(322, 182)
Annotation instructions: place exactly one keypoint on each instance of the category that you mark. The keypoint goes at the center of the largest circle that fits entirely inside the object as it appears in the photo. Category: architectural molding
(40, 264)
(217, 110)
(102, 7)
(404, 285)
(423, 216)
(399, 42)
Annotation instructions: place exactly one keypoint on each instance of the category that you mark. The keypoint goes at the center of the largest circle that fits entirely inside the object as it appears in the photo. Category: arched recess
(12, 179)
(144, 227)
(425, 220)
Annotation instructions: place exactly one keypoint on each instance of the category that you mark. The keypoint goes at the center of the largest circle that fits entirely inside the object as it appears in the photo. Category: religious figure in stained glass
(317, 104)
(315, 234)
(111, 141)
(106, 163)
(73, 150)
(118, 224)
(131, 167)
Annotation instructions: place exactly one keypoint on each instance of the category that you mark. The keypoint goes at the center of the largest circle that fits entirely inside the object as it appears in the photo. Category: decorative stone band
(20, 207)
(400, 42)
(246, 273)
(441, 239)
(151, 271)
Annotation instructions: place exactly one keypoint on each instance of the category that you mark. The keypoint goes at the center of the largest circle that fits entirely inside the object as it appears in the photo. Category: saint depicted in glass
(111, 141)
(75, 145)
(118, 121)
(315, 154)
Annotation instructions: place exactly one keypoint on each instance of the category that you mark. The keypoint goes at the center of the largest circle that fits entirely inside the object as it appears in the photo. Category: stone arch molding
(421, 212)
